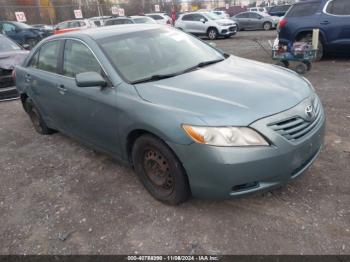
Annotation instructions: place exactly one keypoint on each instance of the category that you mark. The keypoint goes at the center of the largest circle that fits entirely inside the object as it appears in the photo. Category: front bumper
(225, 172)
(227, 30)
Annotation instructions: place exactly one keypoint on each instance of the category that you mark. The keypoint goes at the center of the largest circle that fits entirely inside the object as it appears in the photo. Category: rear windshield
(280, 8)
(305, 9)
(7, 45)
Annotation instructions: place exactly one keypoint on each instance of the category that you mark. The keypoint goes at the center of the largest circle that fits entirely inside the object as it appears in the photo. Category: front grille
(232, 28)
(6, 79)
(297, 127)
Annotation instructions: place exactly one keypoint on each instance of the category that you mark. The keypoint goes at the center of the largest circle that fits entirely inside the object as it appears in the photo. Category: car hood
(235, 91)
(8, 60)
(224, 21)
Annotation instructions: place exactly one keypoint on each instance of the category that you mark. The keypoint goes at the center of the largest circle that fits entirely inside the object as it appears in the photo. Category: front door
(93, 110)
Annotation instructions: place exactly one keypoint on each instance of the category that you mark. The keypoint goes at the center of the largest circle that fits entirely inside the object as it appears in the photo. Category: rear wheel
(212, 33)
(37, 120)
(159, 170)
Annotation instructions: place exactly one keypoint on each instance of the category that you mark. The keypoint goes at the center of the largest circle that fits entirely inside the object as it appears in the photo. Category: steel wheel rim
(157, 170)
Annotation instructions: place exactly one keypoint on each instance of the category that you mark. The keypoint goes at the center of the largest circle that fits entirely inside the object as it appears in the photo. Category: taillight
(282, 23)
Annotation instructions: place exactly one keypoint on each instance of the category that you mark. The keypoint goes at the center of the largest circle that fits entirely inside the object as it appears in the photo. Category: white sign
(115, 10)
(121, 12)
(21, 17)
(157, 8)
(227, 6)
(78, 14)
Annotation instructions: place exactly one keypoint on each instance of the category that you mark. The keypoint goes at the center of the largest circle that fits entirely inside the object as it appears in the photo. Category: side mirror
(202, 20)
(90, 79)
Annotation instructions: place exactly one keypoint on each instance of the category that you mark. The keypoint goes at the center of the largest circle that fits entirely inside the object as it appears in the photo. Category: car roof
(109, 31)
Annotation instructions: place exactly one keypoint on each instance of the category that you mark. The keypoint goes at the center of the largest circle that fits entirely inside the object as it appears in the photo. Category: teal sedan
(190, 119)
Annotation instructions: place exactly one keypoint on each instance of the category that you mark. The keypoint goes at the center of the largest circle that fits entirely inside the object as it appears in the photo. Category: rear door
(335, 23)
(41, 78)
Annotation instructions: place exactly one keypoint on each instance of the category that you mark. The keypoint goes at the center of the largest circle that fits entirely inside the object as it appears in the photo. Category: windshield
(144, 20)
(7, 45)
(162, 51)
(212, 16)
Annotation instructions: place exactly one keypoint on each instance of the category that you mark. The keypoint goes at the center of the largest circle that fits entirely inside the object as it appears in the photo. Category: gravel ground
(59, 197)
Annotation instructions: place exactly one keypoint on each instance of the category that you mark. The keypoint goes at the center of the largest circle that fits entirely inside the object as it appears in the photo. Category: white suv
(161, 18)
(206, 23)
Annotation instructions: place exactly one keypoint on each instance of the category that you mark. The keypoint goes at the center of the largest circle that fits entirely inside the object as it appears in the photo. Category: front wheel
(160, 171)
(212, 33)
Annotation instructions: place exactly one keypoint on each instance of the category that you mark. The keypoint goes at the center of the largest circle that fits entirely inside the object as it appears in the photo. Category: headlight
(225, 136)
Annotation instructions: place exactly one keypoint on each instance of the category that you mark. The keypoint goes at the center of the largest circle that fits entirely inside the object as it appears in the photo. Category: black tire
(267, 26)
(37, 120)
(301, 68)
(212, 33)
(160, 171)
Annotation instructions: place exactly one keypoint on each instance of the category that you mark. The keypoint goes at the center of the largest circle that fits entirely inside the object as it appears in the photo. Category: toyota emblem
(309, 111)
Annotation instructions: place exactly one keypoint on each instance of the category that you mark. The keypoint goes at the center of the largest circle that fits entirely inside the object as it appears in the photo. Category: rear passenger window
(300, 10)
(187, 18)
(78, 59)
(339, 7)
(48, 57)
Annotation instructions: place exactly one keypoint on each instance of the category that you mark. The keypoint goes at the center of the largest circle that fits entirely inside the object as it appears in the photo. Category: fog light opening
(246, 186)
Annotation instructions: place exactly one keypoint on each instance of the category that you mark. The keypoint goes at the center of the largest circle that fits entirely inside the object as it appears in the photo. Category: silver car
(206, 23)
(255, 20)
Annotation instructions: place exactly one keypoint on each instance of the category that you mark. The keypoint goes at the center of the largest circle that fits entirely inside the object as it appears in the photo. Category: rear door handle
(325, 23)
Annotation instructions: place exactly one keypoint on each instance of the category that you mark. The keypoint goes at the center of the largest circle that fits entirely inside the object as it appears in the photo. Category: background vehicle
(142, 20)
(99, 20)
(278, 10)
(11, 54)
(221, 14)
(73, 25)
(255, 20)
(21, 33)
(257, 9)
(47, 30)
(119, 21)
(232, 10)
(332, 17)
(206, 23)
(161, 18)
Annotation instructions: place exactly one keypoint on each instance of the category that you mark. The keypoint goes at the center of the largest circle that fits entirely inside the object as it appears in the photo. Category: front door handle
(325, 23)
(62, 89)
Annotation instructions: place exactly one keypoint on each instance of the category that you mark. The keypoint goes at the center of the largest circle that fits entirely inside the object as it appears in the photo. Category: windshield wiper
(159, 77)
(153, 78)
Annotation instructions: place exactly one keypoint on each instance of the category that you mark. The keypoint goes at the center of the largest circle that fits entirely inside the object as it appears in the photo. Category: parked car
(255, 20)
(189, 118)
(232, 10)
(221, 14)
(47, 30)
(258, 9)
(143, 19)
(161, 18)
(99, 20)
(11, 54)
(278, 10)
(73, 25)
(21, 33)
(332, 17)
(119, 21)
(206, 23)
